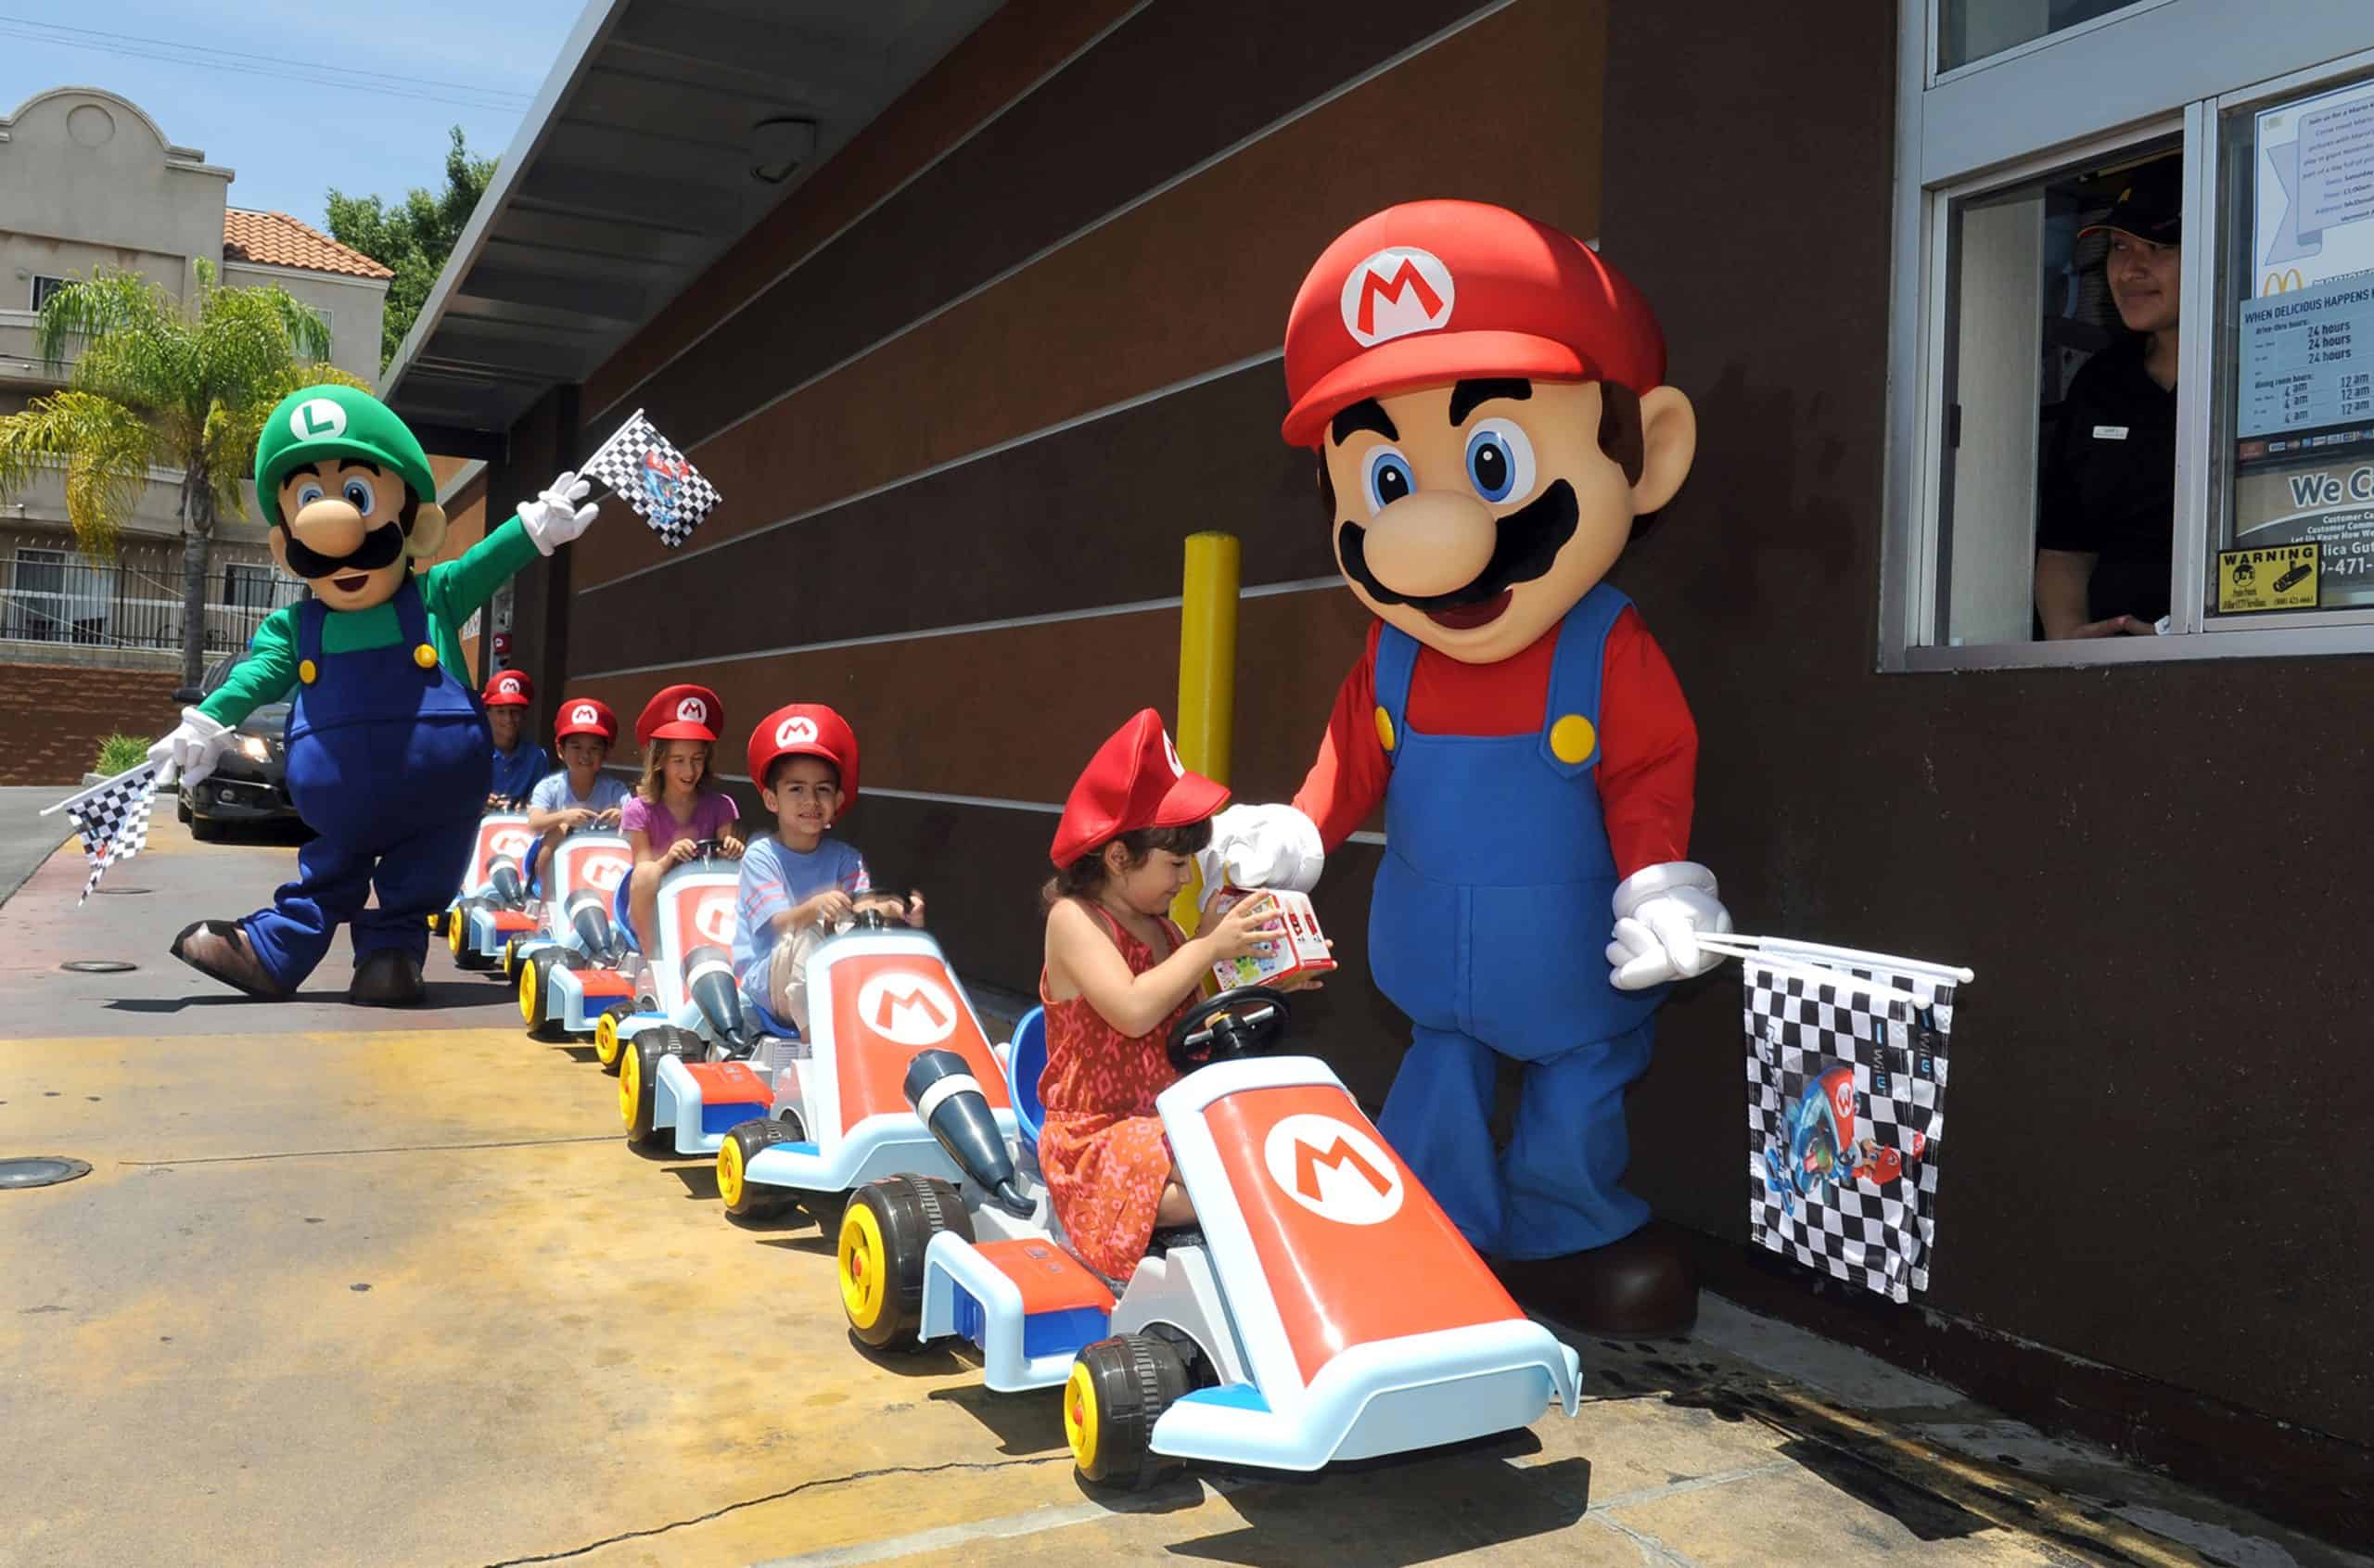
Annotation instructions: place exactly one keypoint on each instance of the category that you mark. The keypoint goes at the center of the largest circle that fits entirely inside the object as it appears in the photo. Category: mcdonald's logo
(2282, 282)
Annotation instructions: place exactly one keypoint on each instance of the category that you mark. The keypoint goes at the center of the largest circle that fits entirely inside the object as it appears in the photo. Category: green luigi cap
(331, 423)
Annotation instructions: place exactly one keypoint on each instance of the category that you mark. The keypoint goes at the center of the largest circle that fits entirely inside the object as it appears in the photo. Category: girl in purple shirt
(678, 803)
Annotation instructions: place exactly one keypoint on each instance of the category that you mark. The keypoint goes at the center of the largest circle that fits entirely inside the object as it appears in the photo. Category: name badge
(2109, 432)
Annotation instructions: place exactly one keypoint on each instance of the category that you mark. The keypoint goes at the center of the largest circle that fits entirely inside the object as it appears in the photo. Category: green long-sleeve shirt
(452, 593)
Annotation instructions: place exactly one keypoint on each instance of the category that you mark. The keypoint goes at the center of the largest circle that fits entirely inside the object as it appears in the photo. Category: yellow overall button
(1572, 738)
(425, 656)
(305, 672)
(1384, 729)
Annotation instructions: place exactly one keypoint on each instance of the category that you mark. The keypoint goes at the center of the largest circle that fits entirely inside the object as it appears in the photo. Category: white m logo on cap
(583, 714)
(1400, 290)
(692, 710)
(798, 730)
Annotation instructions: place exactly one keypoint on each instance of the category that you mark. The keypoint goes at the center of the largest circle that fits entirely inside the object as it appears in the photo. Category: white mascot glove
(191, 751)
(555, 517)
(1660, 911)
(1266, 846)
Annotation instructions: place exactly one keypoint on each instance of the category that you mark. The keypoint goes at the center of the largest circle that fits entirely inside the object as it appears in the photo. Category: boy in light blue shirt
(799, 884)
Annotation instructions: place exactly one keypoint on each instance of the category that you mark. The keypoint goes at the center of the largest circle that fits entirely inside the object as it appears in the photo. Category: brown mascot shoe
(218, 950)
(1636, 1288)
(389, 978)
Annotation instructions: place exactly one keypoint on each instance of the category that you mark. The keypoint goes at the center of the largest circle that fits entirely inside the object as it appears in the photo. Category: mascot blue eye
(1499, 462)
(359, 495)
(307, 495)
(1386, 478)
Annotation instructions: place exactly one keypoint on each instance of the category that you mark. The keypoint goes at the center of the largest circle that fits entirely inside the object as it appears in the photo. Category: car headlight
(255, 748)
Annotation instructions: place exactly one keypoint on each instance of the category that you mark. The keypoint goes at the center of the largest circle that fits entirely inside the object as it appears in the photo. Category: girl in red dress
(1118, 975)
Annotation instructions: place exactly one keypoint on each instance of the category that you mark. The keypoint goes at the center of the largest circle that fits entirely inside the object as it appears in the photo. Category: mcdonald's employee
(2106, 514)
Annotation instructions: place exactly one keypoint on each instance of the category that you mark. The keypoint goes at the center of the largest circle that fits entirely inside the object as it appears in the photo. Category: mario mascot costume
(1488, 398)
(390, 757)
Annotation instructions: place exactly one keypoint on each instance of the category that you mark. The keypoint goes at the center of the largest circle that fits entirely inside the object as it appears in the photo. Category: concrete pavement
(352, 1286)
(27, 836)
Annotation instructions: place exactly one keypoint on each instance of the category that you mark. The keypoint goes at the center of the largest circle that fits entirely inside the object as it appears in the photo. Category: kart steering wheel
(1241, 1021)
(707, 848)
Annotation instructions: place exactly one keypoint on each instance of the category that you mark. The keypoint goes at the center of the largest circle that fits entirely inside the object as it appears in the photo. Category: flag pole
(602, 451)
(99, 788)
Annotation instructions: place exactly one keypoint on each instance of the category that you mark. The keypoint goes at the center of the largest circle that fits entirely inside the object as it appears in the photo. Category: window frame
(37, 294)
(1954, 142)
(1937, 23)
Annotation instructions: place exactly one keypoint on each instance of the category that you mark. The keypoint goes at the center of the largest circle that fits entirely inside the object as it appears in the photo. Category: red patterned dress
(1101, 1146)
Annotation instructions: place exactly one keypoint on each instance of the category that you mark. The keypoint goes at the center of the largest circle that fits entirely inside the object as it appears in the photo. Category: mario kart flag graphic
(113, 819)
(1846, 1084)
(651, 476)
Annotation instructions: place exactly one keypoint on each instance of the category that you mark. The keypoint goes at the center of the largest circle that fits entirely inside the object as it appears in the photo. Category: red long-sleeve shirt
(1648, 744)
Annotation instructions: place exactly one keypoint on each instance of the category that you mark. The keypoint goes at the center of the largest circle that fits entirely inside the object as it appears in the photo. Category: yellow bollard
(1207, 676)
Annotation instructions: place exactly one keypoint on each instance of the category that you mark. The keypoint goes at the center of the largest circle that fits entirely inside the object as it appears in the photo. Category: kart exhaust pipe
(589, 916)
(949, 1099)
(509, 893)
(708, 977)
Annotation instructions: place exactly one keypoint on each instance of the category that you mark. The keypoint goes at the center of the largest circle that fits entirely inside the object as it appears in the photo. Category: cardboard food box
(1302, 951)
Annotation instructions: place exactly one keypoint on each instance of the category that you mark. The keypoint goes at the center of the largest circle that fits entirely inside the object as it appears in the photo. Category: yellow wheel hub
(454, 934)
(605, 1039)
(729, 1171)
(865, 1267)
(629, 1082)
(1079, 1416)
(527, 994)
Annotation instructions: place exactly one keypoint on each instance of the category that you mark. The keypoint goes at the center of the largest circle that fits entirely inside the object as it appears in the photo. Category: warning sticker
(2283, 576)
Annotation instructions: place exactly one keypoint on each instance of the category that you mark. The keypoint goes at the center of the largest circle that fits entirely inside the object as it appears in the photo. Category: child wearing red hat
(578, 793)
(677, 804)
(1118, 975)
(518, 768)
(800, 883)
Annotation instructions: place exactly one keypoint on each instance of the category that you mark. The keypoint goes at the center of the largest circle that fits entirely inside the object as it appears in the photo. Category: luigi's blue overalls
(1489, 926)
(388, 764)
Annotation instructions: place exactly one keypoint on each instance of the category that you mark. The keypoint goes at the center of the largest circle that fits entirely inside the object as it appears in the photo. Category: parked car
(250, 782)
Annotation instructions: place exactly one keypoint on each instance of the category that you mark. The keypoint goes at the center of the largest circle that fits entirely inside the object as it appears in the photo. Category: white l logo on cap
(798, 730)
(692, 710)
(1400, 290)
(315, 418)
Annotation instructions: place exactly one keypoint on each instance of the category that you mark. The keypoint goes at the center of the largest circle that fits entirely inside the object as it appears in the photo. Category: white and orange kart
(838, 1116)
(1322, 1308)
(680, 1047)
(577, 965)
(493, 905)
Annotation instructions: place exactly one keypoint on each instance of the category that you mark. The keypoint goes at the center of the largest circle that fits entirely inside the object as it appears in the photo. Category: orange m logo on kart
(890, 1005)
(1308, 1158)
(1336, 1170)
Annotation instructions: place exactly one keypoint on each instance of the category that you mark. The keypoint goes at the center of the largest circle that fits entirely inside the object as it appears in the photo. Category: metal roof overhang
(631, 172)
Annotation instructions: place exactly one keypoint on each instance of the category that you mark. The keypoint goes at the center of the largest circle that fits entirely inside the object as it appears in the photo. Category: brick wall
(58, 715)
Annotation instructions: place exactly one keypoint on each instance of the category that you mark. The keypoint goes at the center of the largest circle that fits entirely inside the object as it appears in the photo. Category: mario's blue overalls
(388, 762)
(1490, 916)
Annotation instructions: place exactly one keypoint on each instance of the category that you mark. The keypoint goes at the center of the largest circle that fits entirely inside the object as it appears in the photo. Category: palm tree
(157, 384)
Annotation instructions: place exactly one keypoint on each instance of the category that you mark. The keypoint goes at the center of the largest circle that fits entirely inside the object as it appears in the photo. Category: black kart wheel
(882, 1234)
(639, 1077)
(1119, 1387)
(746, 1199)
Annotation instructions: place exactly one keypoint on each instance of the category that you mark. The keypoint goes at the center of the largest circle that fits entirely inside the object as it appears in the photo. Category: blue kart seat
(618, 915)
(528, 865)
(1026, 1059)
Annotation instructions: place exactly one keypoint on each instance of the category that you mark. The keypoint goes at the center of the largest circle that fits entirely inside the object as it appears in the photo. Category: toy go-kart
(577, 965)
(684, 1002)
(1324, 1309)
(493, 905)
(838, 1114)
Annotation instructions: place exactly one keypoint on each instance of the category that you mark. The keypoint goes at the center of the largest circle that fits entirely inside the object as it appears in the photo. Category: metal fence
(51, 600)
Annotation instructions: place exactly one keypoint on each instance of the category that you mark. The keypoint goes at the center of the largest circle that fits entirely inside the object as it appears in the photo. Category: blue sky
(293, 133)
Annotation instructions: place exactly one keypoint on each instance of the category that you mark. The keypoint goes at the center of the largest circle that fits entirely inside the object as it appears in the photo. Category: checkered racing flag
(1846, 1081)
(113, 820)
(651, 476)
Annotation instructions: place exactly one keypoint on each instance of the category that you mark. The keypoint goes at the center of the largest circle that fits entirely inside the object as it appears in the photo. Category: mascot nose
(328, 527)
(1432, 542)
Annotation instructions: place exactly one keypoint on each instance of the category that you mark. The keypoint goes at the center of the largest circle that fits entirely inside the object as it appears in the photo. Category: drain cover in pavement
(97, 965)
(40, 1170)
(120, 892)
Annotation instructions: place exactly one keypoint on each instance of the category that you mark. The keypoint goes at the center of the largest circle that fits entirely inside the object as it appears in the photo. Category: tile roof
(276, 239)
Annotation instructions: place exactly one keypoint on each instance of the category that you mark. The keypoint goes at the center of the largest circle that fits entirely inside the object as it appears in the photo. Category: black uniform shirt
(2109, 483)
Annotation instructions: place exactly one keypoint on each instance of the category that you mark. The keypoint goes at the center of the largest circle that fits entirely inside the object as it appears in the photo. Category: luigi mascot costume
(390, 757)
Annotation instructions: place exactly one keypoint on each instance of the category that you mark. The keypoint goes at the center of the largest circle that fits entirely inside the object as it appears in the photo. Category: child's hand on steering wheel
(678, 852)
(914, 907)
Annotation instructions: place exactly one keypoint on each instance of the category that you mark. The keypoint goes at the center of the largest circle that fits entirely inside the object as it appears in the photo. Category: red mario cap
(1134, 781)
(1437, 291)
(805, 729)
(585, 716)
(681, 713)
(508, 688)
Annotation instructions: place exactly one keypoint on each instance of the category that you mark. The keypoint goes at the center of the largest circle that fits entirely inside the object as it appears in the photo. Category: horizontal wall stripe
(1187, 82)
(676, 558)
(1258, 591)
(1009, 57)
(1093, 516)
(1074, 335)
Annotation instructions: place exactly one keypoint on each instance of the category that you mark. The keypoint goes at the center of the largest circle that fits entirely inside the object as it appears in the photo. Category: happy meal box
(1303, 952)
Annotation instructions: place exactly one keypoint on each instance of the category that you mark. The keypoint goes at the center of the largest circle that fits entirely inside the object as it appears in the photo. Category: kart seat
(619, 918)
(528, 865)
(1026, 1059)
